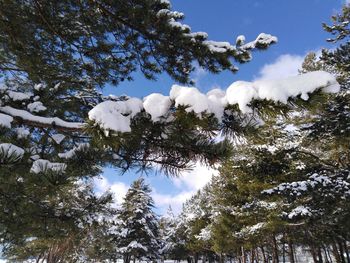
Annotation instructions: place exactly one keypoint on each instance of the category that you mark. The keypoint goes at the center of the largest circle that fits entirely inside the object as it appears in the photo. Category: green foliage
(340, 26)
(137, 228)
(171, 145)
(102, 41)
(287, 184)
(59, 54)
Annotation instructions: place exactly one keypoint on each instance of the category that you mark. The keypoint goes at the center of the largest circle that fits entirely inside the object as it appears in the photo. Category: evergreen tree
(56, 127)
(167, 224)
(62, 228)
(195, 221)
(137, 228)
(54, 58)
(287, 187)
(174, 237)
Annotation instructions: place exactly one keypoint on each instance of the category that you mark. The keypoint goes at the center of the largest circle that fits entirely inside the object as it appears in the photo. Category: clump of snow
(135, 244)
(217, 102)
(165, 2)
(35, 157)
(172, 22)
(40, 86)
(42, 165)
(134, 106)
(240, 40)
(18, 96)
(255, 228)
(299, 211)
(262, 39)
(71, 153)
(251, 230)
(266, 39)
(5, 120)
(191, 97)
(39, 119)
(36, 106)
(22, 132)
(58, 138)
(218, 47)
(115, 115)
(204, 234)
(169, 13)
(9, 150)
(291, 128)
(241, 93)
(194, 35)
(280, 90)
(157, 105)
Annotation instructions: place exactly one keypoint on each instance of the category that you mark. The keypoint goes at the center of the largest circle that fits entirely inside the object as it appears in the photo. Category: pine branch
(24, 117)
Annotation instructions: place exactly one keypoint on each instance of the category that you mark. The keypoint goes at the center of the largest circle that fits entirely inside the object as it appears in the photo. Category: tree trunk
(341, 250)
(38, 259)
(336, 252)
(346, 251)
(275, 250)
(319, 254)
(126, 258)
(244, 260)
(252, 256)
(263, 254)
(196, 257)
(323, 248)
(314, 254)
(291, 251)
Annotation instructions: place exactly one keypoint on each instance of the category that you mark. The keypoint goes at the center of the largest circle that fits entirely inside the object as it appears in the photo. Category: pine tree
(137, 228)
(174, 236)
(167, 224)
(54, 58)
(58, 129)
(287, 187)
(62, 227)
(65, 52)
(195, 221)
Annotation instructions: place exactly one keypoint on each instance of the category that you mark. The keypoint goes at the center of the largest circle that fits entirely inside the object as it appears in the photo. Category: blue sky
(296, 23)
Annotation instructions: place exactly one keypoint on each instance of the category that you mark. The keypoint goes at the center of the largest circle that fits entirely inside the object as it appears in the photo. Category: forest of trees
(283, 190)
(284, 195)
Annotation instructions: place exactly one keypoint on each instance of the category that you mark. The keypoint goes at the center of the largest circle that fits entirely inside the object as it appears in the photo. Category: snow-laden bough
(116, 115)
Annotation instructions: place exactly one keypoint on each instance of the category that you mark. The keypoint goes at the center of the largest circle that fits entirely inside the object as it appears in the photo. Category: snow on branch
(41, 166)
(116, 115)
(262, 41)
(39, 121)
(5, 120)
(10, 151)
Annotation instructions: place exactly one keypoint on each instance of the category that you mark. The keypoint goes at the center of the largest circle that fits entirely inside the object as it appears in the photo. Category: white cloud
(186, 185)
(284, 66)
(195, 179)
(163, 201)
(118, 189)
(189, 182)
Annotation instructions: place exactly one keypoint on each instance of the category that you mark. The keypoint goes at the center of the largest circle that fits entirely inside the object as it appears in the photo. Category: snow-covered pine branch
(115, 116)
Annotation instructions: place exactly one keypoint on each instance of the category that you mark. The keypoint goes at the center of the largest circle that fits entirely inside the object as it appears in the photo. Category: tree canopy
(58, 131)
